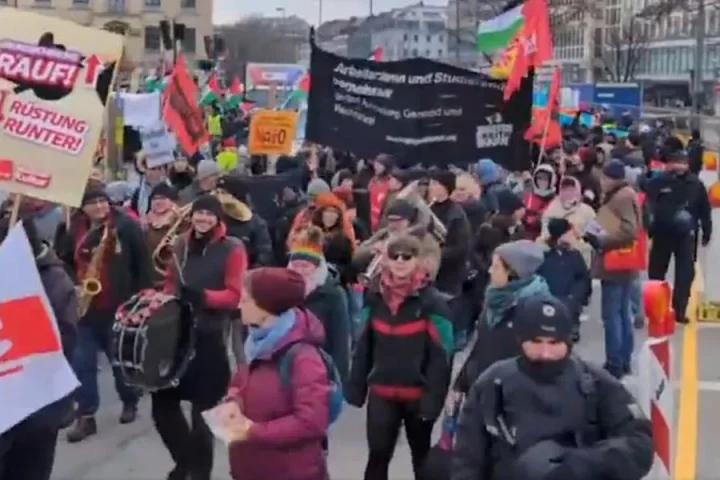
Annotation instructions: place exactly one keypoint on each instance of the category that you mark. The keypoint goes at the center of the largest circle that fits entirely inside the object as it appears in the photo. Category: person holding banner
(110, 263)
(27, 450)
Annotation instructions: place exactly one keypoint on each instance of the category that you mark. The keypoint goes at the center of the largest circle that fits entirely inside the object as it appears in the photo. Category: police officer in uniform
(679, 210)
(548, 415)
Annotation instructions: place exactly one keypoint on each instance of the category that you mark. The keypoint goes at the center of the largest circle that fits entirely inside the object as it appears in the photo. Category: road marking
(687, 424)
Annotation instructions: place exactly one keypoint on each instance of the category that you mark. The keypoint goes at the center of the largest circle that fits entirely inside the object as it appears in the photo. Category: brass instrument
(162, 255)
(232, 207)
(90, 285)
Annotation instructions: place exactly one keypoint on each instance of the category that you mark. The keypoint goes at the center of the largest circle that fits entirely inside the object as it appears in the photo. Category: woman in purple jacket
(286, 418)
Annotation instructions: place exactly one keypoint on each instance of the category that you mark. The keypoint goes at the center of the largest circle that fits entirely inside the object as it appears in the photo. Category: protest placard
(158, 146)
(55, 76)
(272, 132)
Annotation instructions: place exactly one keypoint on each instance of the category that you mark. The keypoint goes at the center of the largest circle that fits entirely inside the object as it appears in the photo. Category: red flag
(181, 112)
(236, 87)
(545, 128)
(534, 46)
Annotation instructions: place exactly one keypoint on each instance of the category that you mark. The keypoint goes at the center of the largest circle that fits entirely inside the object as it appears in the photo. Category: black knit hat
(233, 185)
(444, 178)
(543, 316)
(209, 203)
(403, 209)
(557, 227)
(164, 190)
(508, 202)
(93, 193)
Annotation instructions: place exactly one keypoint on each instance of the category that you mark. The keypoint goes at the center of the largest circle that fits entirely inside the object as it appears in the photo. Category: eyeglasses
(404, 256)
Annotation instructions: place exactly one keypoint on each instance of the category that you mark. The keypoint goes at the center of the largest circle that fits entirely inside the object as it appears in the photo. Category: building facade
(138, 20)
(414, 31)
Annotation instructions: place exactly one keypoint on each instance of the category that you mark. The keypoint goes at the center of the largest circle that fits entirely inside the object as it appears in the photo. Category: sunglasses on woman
(404, 256)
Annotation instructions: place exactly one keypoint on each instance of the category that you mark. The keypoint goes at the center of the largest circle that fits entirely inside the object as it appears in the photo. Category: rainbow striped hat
(309, 252)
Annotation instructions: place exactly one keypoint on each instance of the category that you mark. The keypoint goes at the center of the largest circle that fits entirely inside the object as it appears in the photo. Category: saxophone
(90, 285)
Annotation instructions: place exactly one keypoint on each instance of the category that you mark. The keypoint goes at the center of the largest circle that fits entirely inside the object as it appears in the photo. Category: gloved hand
(571, 468)
(705, 241)
(193, 296)
(354, 397)
(592, 240)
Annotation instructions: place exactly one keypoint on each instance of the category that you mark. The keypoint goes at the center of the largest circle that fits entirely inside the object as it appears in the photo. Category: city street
(134, 452)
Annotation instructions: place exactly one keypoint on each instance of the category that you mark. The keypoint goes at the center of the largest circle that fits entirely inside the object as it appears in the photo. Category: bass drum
(153, 340)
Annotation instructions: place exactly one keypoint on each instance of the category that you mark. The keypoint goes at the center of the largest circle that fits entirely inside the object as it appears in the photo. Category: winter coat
(621, 218)
(253, 232)
(405, 356)
(328, 302)
(289, 422)
(568, 277)
(60, 292)
(456, 248)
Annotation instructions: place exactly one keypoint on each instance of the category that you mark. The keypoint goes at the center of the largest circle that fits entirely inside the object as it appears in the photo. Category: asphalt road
(134, 452)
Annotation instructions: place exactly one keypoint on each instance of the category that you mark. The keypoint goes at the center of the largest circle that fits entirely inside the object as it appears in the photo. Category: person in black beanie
(27, 450)
(162, 216)
(108, 246)
(565, 270)
(556, 390)
(213, 265)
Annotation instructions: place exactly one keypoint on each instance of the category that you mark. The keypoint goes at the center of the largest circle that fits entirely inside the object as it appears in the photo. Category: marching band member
(208, 270)
(159, 220)
(110, 256)
(27, 450)
(402, 216)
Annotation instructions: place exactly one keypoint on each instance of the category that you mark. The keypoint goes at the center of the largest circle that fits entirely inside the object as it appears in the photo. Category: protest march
(409, 239)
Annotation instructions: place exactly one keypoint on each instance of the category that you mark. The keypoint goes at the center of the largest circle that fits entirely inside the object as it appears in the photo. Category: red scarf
(395, 290)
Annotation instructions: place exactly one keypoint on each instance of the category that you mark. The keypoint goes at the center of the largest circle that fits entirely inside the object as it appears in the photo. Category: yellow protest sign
(272, 132)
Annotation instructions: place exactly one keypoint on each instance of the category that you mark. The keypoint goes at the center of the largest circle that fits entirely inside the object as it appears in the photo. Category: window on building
(427, 53)
(405, 37)
(189, 42)
(405, 52)
(440, 53)
(117, 6)
(429, 38)
(188, 4)
(414, 52)
(152, 37)
(153, 3)
(81, 3)
(415, 38)
(43, 2)
(441, 38)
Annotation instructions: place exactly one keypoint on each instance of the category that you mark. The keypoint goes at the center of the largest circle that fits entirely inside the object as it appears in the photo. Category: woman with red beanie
(285, 418)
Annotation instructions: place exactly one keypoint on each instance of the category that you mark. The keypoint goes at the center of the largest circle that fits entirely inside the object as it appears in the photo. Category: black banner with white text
(418, 110)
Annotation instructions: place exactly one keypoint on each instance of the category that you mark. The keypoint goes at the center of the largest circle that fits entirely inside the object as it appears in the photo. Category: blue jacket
(567, 276)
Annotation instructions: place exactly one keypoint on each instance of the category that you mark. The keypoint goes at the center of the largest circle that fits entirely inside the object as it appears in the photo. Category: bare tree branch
(254, 39)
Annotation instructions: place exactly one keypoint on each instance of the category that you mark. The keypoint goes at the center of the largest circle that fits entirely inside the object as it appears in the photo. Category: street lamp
(281, 11)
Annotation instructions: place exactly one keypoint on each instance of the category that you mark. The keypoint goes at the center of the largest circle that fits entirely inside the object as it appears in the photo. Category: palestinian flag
(301, 89)
(234, 94)
(212, 92)
(155, 84)
(497, 33)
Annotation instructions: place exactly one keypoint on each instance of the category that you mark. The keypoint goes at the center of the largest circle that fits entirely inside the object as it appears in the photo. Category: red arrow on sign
(91, 68)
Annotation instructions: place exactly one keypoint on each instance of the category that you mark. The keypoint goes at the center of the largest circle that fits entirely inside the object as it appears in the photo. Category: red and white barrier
(655, 392)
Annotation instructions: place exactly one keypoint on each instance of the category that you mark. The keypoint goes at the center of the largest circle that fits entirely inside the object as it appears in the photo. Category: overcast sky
(228, 11)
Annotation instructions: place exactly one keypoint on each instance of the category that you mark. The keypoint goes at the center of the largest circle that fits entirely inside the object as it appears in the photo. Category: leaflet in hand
(594, 228)
(226, 422)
